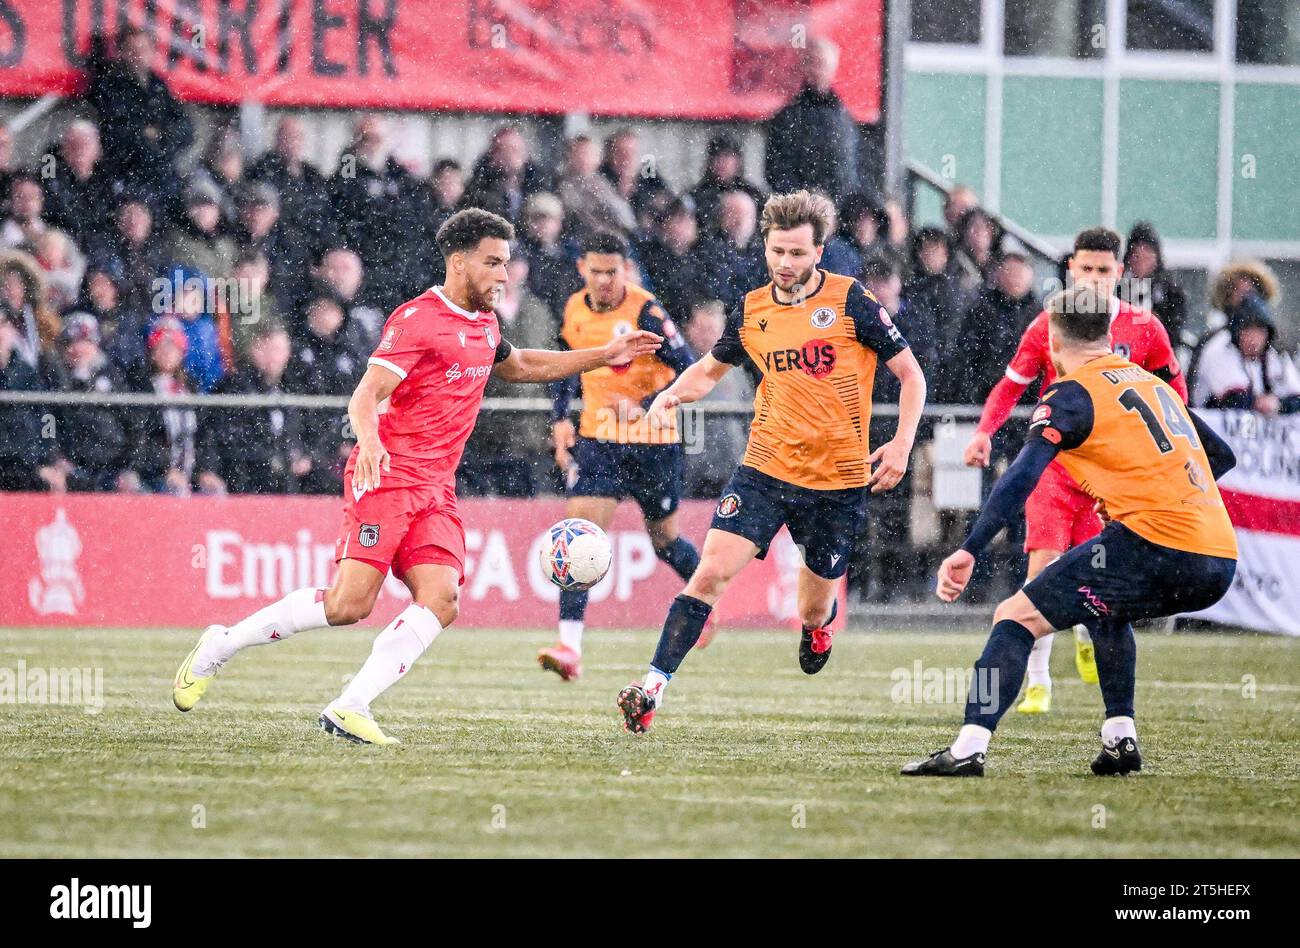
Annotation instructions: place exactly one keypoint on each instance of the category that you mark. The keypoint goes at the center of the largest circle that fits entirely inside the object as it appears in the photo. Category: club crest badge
(823, 317)
(369, 535)
(729, 506)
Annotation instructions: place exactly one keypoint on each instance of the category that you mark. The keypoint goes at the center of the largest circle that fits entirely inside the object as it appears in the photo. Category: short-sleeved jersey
(1136, 334)
(1126, 438)
(443, 355)
(642, 378)
(817, 361)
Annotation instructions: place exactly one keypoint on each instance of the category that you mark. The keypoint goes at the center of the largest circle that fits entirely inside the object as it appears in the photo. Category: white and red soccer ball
(576, 555)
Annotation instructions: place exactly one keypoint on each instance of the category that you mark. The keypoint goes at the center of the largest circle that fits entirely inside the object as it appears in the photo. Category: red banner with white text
(119, 560)
(695, 59)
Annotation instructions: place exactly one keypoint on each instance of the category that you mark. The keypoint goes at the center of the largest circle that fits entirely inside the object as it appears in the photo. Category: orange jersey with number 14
(1127, 439)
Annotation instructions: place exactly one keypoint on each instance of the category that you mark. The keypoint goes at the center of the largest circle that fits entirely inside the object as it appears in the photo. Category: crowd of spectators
(125, 267)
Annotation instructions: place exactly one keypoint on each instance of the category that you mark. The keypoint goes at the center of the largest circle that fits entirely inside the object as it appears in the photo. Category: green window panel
(1051, 153)
(1168, 157)
(1266, 167)
(944, 130)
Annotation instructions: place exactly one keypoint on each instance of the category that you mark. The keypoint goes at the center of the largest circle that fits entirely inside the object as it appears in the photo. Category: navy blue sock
(573, 605)
(999, 673)
(1115, 648)
(682, 628)
(681, 555)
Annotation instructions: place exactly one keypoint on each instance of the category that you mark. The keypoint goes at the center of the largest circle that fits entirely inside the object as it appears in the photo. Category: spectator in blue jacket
(186, 299)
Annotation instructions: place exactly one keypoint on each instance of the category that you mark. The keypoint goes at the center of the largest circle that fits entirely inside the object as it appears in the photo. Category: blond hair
(788, 211)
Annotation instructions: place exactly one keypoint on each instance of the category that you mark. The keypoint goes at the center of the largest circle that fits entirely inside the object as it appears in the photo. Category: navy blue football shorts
(822, 523)
(1120, 576)
(651, 474)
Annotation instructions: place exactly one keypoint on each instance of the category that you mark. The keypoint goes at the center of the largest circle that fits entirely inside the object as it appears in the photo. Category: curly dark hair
(464, 229)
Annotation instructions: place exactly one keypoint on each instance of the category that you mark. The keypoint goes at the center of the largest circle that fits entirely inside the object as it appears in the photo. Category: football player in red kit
(1059, 515)
(412, 413)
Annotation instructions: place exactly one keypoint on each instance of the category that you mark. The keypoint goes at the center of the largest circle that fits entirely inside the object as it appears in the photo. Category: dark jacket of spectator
(930, 318)
(918, 328)
(23, 450)
(552, 275)
(287, 249)
(724, 153)
(1155, 288)
(842, 257)
(987, 340)
(165, 437)
(679, 280)
(83, 208)
(143, 127)
(813, 143)
(122, 328)
(378, 217)
(489, 189)
(327, 365)
(140, 263)
(306, 199)
(252, 450)
(193, 243)
(729, 271)
(95, 439)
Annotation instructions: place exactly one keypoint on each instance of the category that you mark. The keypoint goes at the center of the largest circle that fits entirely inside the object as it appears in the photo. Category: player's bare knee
(445, 605)
(1019, 609)
(342, 609)
(708, 582)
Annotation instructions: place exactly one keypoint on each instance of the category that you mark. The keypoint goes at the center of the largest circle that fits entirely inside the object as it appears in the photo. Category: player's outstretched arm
(892, 456)
(997, 409)
(696, 381)
(363, 413)
(548, 365)
(1005, 500)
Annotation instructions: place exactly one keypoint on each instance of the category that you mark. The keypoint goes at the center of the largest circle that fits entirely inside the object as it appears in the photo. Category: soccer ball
(576, 554)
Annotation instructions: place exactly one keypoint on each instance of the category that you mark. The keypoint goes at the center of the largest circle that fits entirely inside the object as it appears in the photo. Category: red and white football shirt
(444, 356)
(1136, 334)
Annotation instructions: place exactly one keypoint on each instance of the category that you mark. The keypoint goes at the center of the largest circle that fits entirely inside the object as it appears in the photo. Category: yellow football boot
(188, 688)
(353, 726)
(1038, 700)
(1085, 660)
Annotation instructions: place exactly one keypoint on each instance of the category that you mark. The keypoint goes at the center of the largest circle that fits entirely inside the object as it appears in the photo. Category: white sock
(1040, 661)
(1081, 634)
(302, 609)
(571, 634)
(655, 684)
(971, 739)
(395, 650)
(1116, 729)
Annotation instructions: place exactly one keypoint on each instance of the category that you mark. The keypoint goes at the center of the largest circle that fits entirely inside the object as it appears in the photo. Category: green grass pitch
(748, 758)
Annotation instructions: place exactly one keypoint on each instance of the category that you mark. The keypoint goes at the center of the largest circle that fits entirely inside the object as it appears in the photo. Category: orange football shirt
(817, 360)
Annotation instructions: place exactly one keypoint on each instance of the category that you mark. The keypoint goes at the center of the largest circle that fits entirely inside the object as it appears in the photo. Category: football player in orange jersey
(815, 338)
(1150, 464)
(1058, 514)
(616, 452)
